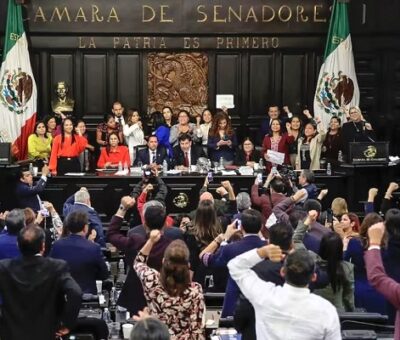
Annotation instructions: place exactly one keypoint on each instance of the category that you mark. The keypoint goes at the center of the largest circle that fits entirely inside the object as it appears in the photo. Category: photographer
(156, 189)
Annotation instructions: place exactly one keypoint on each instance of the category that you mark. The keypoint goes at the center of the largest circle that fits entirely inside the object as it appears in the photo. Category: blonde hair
(339, 206)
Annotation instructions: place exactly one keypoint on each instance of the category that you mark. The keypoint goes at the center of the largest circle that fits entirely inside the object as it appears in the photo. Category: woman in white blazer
(310, 145)
(133, 132)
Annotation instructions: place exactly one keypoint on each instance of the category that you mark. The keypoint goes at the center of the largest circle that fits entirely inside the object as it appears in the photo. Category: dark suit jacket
(8, 246)
(38, 295)
(85, 260)
(93, 216)
(221, 259)
(195, 153)
(27, 195)
(144, 157)
(132, 296)
(240, 157)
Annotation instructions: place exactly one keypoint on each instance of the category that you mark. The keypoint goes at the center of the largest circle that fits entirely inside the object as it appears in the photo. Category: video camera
(287, 173)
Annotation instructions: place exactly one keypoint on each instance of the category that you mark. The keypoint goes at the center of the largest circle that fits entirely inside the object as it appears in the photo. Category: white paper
(246, 171)
(276, 157)
(122, 173)
(228, 172)
(74, 174)
(226, 100)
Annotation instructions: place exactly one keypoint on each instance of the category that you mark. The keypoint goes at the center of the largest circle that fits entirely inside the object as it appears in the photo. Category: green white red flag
(18, 94)
(337, 87)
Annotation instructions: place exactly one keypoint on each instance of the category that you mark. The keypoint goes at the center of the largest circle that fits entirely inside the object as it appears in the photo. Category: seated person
(15, 221)
(84, 257)
(114, 154)
(186, 154)
(81, 201)
(247, 155)
(39, 143)
(152, 155)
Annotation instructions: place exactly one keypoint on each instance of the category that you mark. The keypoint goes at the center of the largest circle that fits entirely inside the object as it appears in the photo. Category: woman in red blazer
(277, 141)
(113, 153)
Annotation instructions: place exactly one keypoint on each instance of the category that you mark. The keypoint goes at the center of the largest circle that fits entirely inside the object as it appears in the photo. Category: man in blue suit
(27, 191)
(154, 154)
(81, 201)
(218, 253)
(15, 221)
(84, 257)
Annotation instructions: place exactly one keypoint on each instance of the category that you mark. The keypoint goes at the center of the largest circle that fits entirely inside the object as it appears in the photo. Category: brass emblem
(370, 152)
(181, 201)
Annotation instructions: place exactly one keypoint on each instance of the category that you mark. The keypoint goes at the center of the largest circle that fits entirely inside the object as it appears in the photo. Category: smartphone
(329, 216)
(210, 177)
(259, 178)
(274, 171)
(238, 224)
(44, 212)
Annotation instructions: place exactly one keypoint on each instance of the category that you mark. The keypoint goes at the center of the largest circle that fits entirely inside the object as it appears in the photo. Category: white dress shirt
(284, 312)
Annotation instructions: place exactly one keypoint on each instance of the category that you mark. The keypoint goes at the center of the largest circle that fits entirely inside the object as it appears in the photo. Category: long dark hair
(206, 226)
(72, 132)
(331, 250)
(369, 220)
(45, 126)
(108, 147)
(158, 120)
(175, 273)
(214, 130)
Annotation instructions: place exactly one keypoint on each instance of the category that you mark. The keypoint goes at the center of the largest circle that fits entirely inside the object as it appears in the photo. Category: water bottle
(340, 156)
(126, 167)
(261, 165)
(86, 160)
(211, 282)
(31, 168)
(107, 316)
(165, 167)
(329, 169)
(121, 267)
(221, 163)
(108, 266)
(120, 166)
(113, 302)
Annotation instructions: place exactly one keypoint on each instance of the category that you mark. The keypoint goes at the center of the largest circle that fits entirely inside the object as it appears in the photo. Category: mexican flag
(337, 87)
(17, 85)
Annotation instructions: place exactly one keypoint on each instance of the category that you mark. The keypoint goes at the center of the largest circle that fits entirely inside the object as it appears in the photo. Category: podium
(364, 153)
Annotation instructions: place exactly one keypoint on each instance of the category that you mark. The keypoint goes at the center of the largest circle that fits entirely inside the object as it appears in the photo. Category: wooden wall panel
(61, 69)
(228, 80)
(294, 80)
(261, 83)
(94, 85)
(128, 73)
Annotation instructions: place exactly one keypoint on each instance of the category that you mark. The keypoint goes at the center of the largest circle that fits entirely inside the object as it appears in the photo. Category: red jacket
(283, 145)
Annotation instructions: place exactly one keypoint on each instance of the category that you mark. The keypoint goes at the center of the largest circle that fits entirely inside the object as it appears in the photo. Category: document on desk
(228, 172)
(276, 157)
(74, 174)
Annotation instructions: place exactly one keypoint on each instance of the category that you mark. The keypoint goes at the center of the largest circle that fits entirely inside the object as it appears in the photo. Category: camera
(148, 173)
(288, 173)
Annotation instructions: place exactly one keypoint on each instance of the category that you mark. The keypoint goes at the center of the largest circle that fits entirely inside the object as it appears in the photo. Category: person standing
(40, 299)
(66, 149)
(133, 132)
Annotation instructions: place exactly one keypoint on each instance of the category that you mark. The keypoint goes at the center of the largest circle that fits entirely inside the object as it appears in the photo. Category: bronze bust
(62, 104)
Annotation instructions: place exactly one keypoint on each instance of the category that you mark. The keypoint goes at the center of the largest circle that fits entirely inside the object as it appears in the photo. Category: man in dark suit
(27, 191)
(251, 225)
(132, 296)
(40, 299)
(265, 128)
(80, 201)
(84, 257)
(153, 154)
(186, 154)
(15, 221)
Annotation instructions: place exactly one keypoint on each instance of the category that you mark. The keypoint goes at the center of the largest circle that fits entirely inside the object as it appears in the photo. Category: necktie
(186, 159)
(120, 121)
(153, 157)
